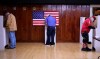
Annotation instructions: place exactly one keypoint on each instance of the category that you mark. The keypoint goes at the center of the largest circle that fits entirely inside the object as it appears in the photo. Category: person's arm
(91, 27)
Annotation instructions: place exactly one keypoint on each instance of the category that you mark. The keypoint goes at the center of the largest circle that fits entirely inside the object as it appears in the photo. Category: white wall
(91, 14)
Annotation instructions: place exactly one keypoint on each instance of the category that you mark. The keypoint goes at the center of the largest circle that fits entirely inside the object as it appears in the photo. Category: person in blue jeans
(11, 27)
(12, 39)
(51, 24)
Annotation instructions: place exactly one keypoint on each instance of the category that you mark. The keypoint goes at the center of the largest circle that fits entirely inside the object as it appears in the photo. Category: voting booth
(96, 33)
(46, 35)
(81, 22)
(2, 34)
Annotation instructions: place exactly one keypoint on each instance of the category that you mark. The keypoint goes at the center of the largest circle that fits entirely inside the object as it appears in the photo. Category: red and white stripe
(46, 13)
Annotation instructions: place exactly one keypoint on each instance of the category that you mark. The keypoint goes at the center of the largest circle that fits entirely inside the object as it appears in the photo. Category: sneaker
(52, 44)
(83, 49)
(6, 46)
(47, 43)
(93, 49)
(86, 49)
(9, 48)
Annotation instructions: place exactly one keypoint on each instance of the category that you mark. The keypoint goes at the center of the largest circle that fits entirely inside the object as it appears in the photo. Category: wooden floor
(41, 51)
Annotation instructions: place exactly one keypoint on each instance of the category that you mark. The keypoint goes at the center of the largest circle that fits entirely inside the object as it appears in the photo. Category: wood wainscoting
(67, 31)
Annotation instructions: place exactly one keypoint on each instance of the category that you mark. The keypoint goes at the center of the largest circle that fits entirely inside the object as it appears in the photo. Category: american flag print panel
(54, 14)
(39, 17)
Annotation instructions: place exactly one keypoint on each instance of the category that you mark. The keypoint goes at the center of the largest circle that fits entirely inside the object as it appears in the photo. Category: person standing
(11, 27)
(86, 26)
(51, 24)
(88, 37)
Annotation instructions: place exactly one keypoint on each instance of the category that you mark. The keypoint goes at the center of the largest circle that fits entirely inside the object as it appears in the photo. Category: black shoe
(86, 49)
(93, 49)
(83, 49)
(52, 43)
(9, 48)
(89, 42)
(47, 44)
(6, 46)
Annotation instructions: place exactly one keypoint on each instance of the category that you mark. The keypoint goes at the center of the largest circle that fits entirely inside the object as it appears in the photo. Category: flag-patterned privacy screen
(39, 17)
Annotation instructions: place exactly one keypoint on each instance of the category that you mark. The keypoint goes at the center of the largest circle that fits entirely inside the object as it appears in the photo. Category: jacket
(11, 23)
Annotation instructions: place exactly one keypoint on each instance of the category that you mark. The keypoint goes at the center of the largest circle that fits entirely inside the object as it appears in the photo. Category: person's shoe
(47, 44)
(83, 49)
(89, 42)
(9, 48)
(52, 43)
(86, 49)
(6, 46)
(93, 49)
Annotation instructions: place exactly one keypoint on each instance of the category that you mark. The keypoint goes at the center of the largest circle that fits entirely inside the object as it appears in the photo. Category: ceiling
(28, 2)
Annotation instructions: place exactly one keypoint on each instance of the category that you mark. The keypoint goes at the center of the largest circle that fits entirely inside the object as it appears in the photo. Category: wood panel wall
(67, 31)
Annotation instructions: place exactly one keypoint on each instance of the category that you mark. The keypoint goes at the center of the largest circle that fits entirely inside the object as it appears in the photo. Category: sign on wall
(38, 17)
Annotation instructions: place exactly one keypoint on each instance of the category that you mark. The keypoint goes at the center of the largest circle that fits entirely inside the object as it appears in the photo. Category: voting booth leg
(93, 41)
(45, 34)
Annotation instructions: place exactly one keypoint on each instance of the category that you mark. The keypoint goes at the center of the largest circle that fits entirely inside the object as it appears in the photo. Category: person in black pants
(86, 26)
(50, 23)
